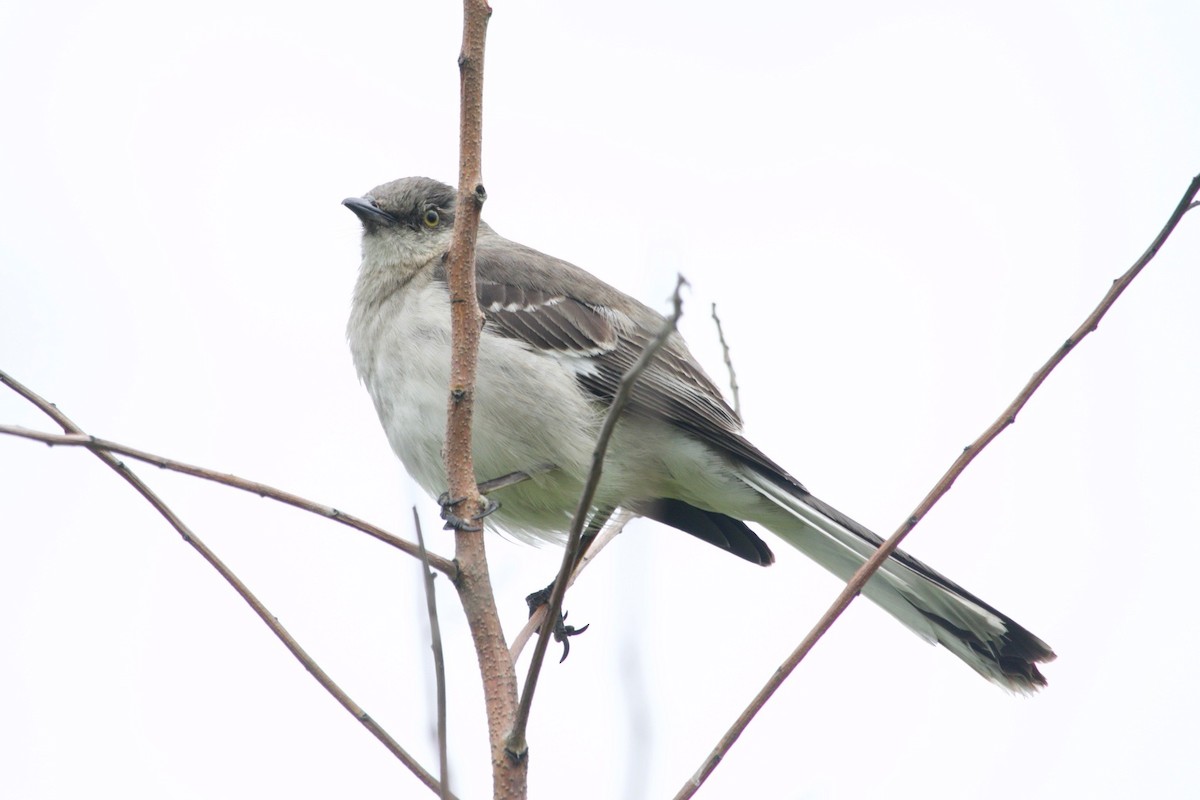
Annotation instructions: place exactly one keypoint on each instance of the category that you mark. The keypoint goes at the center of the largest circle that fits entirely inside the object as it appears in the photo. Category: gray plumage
(556, 341)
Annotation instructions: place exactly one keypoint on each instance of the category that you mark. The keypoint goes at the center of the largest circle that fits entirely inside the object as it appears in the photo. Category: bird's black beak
(365, 209)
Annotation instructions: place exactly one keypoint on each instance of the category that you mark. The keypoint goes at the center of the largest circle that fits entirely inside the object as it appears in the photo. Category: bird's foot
(562, 631)
(457, 523)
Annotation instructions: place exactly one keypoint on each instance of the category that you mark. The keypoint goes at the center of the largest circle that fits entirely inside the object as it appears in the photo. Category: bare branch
(516, 745)
(466, 320)
(208, 555)
(864, 573)
(509, 776)
(439, 563)
(439, 660)
(733, 384)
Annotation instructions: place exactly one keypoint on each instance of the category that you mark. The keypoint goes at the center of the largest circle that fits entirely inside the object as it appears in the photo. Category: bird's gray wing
(553, 306)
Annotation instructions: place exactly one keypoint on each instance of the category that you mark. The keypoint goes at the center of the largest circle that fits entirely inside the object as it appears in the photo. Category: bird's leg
(562, 631)
(511, 479)
(594, 526)
(455, 522)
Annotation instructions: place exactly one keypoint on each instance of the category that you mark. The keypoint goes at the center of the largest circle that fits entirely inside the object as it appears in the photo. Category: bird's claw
(457, 523)
(562, 631)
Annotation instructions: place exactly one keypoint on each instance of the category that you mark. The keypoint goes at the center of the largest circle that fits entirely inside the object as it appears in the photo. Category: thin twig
(516, 746)
(439, 660)
(261, 610)
(864, 573)
(441, 564)
(733, 384)
(612, 529)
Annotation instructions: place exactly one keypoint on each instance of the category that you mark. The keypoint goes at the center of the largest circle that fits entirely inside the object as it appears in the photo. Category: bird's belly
(523, 402)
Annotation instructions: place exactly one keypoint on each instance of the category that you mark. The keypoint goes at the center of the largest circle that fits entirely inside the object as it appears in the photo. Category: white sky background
(901, 212)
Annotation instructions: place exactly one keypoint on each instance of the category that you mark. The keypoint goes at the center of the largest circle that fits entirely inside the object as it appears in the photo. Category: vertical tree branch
(473, 583)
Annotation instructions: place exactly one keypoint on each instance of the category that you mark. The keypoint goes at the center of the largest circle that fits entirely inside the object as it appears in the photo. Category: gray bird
(556, 341)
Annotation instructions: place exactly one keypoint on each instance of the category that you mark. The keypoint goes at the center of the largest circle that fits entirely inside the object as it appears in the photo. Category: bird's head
(406, 224)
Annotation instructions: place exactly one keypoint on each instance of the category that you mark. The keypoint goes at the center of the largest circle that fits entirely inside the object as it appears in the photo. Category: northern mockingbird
(555, 343)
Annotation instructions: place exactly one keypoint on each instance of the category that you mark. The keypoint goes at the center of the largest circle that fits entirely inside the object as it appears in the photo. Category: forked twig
(208, 555)
(733, 384)
(864, 573)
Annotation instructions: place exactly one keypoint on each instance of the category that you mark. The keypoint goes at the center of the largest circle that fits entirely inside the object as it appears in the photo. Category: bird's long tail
(935, 608)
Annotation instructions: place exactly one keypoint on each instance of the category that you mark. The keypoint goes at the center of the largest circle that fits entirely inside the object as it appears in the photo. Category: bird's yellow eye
(431, 218)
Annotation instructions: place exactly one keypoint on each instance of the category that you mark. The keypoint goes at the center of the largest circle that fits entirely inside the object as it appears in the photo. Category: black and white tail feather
(930, 605)
(556, 342)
